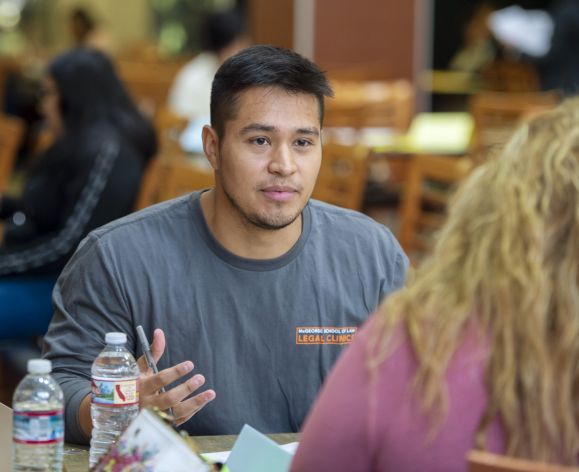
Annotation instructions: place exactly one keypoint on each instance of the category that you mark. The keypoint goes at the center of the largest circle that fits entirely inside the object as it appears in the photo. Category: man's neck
(243, 238)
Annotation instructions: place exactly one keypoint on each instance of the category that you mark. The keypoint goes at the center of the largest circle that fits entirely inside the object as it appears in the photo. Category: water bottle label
(38, 427)
(118, 392)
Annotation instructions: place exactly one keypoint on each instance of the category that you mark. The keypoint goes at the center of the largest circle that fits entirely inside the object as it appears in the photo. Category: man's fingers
(143, 367)
(182, 409)
(158, 346)
(151, 384)
(186, 409)
(157, 349)
(173, 397)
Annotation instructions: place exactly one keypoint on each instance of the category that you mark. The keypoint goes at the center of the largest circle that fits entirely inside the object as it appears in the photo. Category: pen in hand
(149, 357)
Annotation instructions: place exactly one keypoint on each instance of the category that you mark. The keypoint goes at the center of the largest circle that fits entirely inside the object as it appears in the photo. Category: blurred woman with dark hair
(481, 349)
(88, 177)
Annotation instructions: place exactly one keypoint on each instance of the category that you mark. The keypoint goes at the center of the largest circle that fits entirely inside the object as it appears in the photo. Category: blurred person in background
(480, 349)
(88, 177)
(222, 35)
(545, 39)
(559, 68)
(479, 48)
(82, 26)
(87, 32)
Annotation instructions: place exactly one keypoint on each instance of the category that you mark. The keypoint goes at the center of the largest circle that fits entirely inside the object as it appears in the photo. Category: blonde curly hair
(507, 259)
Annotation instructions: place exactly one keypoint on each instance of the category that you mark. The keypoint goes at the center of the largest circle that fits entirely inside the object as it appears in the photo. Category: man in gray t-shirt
(261, 287)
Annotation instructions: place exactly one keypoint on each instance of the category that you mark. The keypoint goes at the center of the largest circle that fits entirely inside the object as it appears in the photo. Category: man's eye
(260, 141)
(303, 142)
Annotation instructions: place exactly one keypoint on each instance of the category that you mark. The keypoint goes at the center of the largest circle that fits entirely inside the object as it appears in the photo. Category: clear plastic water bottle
(115, 394)
(38, 424)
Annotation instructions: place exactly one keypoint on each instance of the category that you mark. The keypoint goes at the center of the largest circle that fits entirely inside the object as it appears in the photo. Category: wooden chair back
(183, 177)
(150, 184)
(361, 104)
(480, 461)
(169, 127)
(496, 115)
(430, 183)
(153, 184)
(11, 132)
(170, 178)
(342, 176)
(148, 82)
(510, 76)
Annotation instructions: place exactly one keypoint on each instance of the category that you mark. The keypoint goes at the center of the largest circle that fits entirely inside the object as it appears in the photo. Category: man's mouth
(279, 193)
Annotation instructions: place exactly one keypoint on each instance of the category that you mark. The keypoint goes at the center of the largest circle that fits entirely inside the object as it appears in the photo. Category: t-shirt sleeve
(401, 264)
(336, 433)
(396, 264)
(88, 303)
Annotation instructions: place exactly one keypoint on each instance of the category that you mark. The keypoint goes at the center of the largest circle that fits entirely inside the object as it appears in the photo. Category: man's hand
(150, 384)
(176, 398)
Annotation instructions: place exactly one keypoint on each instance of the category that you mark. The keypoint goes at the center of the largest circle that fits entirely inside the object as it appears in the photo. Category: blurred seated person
(86, 32)
(545, 39)
(480, 349)
(559, 68)
(222, 35)
(479, 48)
(88, 177)
(20, 99)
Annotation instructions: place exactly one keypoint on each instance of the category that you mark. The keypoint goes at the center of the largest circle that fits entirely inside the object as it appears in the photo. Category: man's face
(267, 161)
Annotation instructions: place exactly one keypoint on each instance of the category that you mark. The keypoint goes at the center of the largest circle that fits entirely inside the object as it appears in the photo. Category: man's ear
(211, 146)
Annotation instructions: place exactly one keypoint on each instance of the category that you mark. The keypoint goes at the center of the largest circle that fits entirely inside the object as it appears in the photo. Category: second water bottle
(115, 394)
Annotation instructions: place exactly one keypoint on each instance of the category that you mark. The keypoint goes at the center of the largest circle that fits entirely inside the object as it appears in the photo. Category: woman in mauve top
(481, 349)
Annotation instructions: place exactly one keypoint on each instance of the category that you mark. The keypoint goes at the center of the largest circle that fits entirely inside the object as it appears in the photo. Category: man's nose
(282, 161)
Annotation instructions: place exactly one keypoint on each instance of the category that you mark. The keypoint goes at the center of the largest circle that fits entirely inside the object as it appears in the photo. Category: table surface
(76, 457)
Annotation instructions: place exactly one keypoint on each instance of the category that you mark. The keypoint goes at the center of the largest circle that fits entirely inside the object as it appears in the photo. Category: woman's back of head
(507, 260)
(91, 94)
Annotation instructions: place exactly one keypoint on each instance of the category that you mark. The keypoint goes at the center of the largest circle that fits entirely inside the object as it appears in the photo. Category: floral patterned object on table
(151, 445)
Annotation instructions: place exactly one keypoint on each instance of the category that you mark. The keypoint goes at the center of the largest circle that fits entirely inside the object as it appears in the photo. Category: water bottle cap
(115, 338)
(39, 366)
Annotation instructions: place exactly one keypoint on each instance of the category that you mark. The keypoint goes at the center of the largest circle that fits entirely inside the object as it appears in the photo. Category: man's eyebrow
(310, 131)
(258, 127)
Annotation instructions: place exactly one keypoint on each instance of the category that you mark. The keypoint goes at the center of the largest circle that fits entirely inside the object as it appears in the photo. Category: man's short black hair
(264, 66)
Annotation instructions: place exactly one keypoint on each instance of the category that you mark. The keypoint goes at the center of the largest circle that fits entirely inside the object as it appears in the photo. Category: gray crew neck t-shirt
(264, 333)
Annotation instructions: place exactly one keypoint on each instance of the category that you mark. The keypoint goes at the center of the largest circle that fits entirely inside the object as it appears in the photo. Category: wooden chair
(150, 184)
(182, 176)
(148, 82)
(510, 76)
(430, 182)
(165, 179)
(11, 132)
(496, 115)
(480, 461)
(169, 127)
(361, 104)
(342, 176)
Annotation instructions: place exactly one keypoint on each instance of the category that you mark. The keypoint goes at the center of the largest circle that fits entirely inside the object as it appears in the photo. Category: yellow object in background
(433, 133)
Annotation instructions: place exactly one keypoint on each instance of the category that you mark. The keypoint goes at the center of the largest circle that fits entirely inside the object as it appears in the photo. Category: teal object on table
(258, 453)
